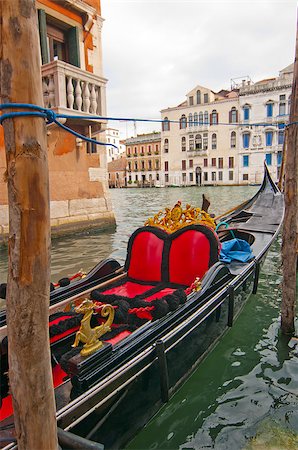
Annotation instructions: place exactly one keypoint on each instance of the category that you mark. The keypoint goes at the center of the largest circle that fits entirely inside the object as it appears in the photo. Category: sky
(156, 51)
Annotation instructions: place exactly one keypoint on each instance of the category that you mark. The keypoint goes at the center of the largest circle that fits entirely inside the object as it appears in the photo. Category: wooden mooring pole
(290, 227)
(30, 374)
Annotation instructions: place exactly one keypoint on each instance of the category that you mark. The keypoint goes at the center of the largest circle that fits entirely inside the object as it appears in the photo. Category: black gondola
(172, 301)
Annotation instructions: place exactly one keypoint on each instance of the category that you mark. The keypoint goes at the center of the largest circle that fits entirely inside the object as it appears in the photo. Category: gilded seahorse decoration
(90, 336)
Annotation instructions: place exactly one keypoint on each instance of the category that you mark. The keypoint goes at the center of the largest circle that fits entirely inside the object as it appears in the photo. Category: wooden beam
(30, 374)
(289, 236)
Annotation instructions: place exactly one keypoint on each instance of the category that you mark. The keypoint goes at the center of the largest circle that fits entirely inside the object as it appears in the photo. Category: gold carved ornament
(173, 219)
(90, 336)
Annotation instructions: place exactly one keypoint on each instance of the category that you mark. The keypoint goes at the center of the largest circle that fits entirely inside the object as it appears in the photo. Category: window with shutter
(233, 116)
(233, 139)
(195, 119)
(58, 40)
(281, 137)
(246, 110)
(42, 25)
(246, 137)
(269, 138)
(269, 109)
(166, 124)
(245, 160)
(268, 159)
(73, 46)
(213, 141)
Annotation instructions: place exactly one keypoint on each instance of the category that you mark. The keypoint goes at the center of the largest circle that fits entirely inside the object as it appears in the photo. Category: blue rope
(53, 117)
(47, 114)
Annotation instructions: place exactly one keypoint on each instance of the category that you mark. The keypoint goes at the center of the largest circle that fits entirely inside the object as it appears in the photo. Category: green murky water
(245, 394)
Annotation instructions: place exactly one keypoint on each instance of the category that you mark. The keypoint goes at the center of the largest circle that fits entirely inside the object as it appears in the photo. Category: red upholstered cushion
(160, 294)
(128, 289)
(189, 257)
(146, 257)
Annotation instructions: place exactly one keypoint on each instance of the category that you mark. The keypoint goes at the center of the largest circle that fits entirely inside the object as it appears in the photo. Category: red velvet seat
(156, 259)
(189, 257)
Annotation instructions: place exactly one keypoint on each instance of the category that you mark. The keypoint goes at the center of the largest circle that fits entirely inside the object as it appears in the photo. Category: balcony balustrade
(70, 90)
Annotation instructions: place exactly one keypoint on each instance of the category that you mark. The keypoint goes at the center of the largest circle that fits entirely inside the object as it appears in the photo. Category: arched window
(195, 119)
(201, 118)
(269, 108)
(198, 97)
(198, 142)
(233, 115)
(213, 141)
(183, 144)
(166, 146)
(183, 122)
(214, 117)
(190, 123)
(233, 139)
(166, 124)
(206, 118)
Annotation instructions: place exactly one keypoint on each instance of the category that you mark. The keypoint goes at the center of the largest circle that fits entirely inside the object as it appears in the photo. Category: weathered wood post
(290, 228)
(30, 373)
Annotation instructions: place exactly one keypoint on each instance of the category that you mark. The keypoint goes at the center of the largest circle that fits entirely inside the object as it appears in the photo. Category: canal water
(244, 395)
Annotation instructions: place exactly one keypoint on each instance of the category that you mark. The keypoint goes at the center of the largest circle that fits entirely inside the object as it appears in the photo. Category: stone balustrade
(68, 89)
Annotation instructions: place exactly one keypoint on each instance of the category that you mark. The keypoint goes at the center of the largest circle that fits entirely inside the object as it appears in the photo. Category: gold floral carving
(173, 219)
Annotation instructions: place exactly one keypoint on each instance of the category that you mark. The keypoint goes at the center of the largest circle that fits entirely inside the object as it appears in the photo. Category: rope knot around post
(51, 116)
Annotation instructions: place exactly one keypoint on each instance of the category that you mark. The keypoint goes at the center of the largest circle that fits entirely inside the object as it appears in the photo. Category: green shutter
(42, 24)
(73, 46)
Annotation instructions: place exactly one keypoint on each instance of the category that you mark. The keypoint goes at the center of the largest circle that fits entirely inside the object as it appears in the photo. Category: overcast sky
(155, 51)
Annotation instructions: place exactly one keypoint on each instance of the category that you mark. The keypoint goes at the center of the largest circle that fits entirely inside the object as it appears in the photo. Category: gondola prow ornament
(90, 336)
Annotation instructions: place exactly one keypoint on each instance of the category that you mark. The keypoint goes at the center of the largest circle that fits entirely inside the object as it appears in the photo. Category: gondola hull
(113, 393)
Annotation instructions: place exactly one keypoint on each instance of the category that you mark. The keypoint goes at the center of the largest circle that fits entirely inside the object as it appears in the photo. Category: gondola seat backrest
(156, 256)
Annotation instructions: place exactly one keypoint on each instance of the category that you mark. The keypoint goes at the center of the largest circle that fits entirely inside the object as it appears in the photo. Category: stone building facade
(224, 138)
(73, 83)
(196, 149)
(117, 172)
(143, 155)
(266, 102)
(113, 137)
